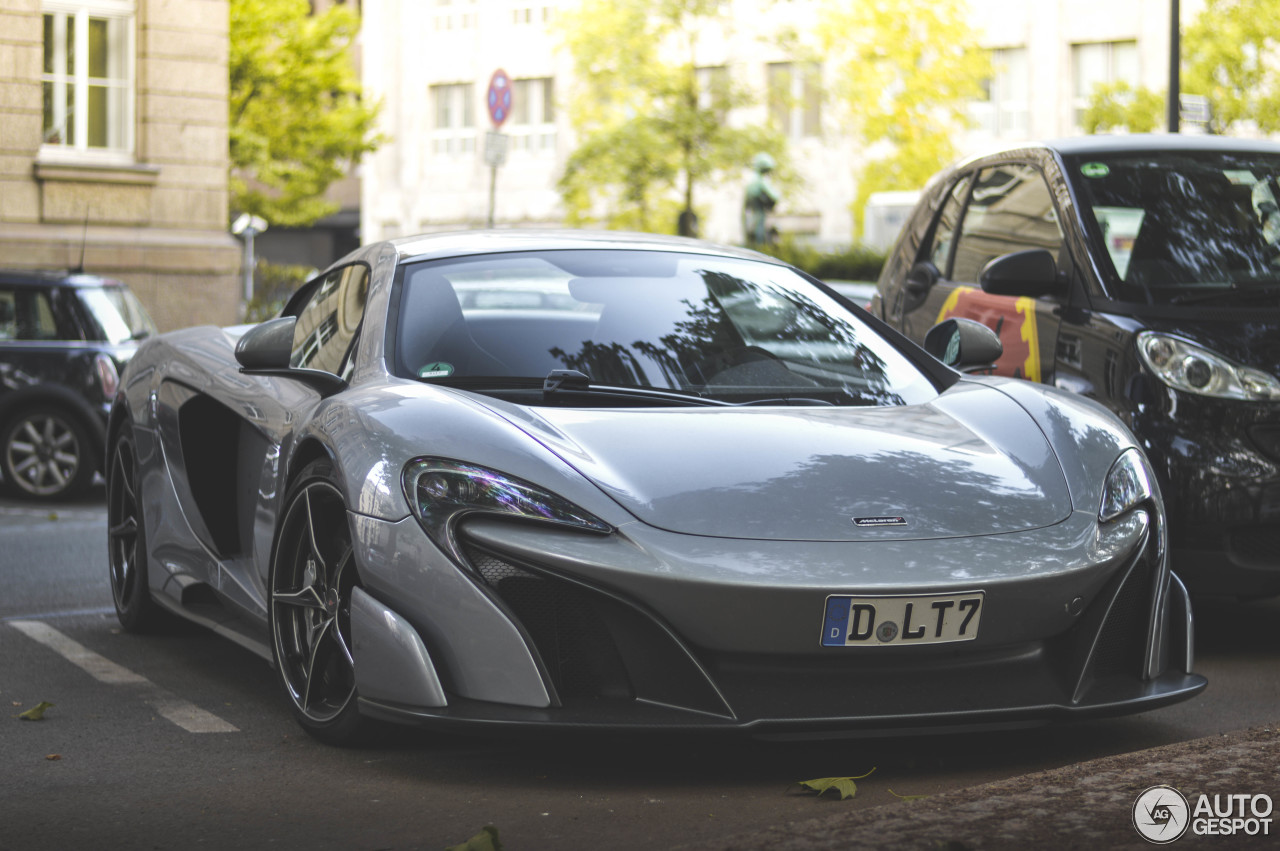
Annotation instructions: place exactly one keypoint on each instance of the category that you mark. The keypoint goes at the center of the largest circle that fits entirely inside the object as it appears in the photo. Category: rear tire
(310, 582)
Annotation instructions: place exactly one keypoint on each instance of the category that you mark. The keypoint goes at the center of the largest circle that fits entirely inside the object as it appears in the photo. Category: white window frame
(532, 125)
(804, 92)
(78, 149)
(456, 136)
(1079, 99)
(1005, 112)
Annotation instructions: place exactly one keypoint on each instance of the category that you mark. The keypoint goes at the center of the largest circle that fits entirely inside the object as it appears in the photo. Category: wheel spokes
(307, 598)
(311, 583)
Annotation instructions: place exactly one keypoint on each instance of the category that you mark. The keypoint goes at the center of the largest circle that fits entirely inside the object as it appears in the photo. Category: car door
(226, 435)
(989, 212)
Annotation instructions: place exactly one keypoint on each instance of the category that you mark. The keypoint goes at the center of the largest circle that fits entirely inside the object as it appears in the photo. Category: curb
(1086, 806)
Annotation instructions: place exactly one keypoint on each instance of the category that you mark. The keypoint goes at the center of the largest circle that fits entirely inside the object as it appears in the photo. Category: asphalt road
(182, 739)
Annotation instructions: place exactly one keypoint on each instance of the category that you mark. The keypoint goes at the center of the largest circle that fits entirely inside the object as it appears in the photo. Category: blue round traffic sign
(499, 98)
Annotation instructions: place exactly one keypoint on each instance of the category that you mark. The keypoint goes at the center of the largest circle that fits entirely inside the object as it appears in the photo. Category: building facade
(435, 61)
(113, 148)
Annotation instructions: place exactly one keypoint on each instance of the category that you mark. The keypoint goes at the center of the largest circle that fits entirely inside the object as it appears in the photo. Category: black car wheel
(126, 537)
(46, 455)
(311, 579)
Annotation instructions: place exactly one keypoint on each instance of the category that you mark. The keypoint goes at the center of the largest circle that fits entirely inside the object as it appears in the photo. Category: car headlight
(440, 491)
(1185, 366)
(1129, 483)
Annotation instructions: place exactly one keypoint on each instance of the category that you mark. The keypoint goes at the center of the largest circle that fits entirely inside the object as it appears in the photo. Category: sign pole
(498, 100)
(493, 192)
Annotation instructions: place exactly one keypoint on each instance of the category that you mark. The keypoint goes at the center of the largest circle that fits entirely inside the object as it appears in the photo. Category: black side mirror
(964, 344)
(1023, 273)
(265, 349)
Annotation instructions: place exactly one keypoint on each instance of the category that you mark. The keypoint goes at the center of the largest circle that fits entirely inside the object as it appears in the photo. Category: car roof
(465, 243)
(1138, 143)
(54, 278)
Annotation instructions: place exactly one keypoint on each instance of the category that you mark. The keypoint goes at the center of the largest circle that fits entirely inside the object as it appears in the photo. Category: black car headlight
(1183, 365)
(440, 491)
(1128, 485)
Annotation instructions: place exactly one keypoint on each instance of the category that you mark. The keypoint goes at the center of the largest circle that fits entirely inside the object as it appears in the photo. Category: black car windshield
(118, 313)
(1171, 228)
(719, 328)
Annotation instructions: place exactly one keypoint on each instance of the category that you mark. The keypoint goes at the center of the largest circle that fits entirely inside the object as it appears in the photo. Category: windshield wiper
(569, 381)
(1234, 292)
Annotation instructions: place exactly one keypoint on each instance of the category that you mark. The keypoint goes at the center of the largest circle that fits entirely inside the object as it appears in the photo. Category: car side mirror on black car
(1032, 273)
(266, 348)
(964, 344)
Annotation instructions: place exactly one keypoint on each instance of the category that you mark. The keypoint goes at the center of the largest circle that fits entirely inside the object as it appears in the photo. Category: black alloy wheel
(312, 576)
(46, 455)
(126, 540)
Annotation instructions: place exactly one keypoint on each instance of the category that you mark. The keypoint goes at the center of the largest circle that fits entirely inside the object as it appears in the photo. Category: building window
(795, 98)
(1100, 63)
(533, 114)
(1003, 109)
(88, 76)
(453, 105)
(713, 89)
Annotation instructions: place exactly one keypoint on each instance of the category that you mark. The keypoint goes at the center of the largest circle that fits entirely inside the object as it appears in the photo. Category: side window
(329, 321)
(1011, 210)
(944, 231)
(26, 314)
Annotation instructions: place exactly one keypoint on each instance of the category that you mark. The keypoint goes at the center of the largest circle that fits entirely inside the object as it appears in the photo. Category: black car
(1144, 272)
(64, 339)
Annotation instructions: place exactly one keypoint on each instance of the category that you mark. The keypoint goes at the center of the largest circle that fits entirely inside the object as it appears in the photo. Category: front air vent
(1123, 641)
(564, 625)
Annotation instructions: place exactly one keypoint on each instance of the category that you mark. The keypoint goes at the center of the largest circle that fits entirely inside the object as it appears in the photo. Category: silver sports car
(603, 481)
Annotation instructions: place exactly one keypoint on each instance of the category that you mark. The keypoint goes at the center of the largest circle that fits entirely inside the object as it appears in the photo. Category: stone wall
(156, 219)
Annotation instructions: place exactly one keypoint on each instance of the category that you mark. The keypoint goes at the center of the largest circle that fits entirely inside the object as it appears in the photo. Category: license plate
(916, 619)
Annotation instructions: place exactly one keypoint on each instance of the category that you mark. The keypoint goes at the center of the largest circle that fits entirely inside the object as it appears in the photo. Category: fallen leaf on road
(54, 757)
(35, 713)
(843, 786)
(485, 840)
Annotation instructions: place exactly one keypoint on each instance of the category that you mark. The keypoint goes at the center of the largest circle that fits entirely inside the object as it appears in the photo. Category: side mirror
(1023, 273)
(964, 344)
(265, 349)
(267, 345)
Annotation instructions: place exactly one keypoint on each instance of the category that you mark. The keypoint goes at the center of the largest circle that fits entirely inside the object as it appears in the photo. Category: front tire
(46, 454)
(127, 541)
(311, 579)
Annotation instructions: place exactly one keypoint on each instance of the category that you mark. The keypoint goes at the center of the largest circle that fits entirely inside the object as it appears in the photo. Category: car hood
(972, 462)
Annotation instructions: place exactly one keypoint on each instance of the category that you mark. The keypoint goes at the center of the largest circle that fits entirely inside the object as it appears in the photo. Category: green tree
(1229, 55)
(653, 125)
(297, 122)
(1117, 106)
(906, 70)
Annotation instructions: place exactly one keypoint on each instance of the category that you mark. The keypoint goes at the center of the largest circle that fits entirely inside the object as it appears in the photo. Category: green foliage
(1120, 106)
(273, 283)
(907, 70)
(486, 840)
(1229, 56)
(856, 263)
(297, 122)
(650, 133)
(845, 787)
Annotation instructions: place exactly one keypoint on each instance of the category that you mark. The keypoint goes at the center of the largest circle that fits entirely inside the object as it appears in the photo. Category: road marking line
(186, 715)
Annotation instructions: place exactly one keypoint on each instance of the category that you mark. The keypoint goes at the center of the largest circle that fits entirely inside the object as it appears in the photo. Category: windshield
(118, 313)
(719, 328)
(1180, 227)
